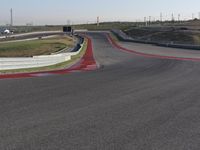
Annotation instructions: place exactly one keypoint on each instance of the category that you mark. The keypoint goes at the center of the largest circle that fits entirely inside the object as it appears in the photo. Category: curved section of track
(86, 63)
(130, 103)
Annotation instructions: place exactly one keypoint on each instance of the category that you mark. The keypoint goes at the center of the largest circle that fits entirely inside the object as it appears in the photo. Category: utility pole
(161, 17)
(192, 16)
(179, 16)
(68, 22)
(98, 21)
(145, 21)
(149, 20)
(199, 15)
(172, 17)
(11, 17)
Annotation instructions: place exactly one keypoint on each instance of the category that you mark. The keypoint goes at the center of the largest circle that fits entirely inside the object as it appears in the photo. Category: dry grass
(196, 39)
(175, 36)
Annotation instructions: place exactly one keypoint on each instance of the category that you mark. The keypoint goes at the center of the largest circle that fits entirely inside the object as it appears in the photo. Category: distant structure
(6, 31)
(149, 20)
(179, 16)
(29, 24)
(161, 17)
(11, 17)
(145, 21)
(173, 19)
(67, 29)
(97, 21)
(68, 22)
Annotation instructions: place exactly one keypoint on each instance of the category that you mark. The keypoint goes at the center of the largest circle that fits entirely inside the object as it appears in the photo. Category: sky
(46, 12)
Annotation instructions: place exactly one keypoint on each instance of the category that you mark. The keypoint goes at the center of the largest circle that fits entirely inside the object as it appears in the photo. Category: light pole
(179, 16)
(161, 17)
(11, 17)
(145, 21)
(149, 20)
(199, 15)
(98, 21)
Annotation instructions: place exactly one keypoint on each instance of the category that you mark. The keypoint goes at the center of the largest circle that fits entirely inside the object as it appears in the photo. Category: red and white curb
(115, 44)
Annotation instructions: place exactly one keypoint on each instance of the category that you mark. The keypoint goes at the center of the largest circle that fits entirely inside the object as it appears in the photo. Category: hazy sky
(83, 11)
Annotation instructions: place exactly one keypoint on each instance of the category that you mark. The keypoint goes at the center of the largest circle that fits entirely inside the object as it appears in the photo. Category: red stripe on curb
(86, 63)
(112, 42)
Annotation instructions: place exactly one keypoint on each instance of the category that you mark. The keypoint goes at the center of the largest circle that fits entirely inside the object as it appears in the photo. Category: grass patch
(196, 39)
(35, 47)
(162, 35)
(176, 37)
(59, 66)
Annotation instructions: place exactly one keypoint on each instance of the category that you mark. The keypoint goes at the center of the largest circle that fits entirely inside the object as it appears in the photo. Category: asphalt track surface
(131, 102)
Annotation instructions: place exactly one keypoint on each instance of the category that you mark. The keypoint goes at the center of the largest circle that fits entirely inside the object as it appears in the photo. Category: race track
(131, 102)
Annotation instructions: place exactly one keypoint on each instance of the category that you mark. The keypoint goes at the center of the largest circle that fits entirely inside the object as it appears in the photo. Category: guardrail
(79, 43)
(38, 61)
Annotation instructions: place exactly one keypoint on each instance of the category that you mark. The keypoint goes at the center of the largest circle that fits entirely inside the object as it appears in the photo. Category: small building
(6, 31)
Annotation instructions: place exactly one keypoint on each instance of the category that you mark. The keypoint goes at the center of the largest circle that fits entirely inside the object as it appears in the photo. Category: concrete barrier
(22, 63)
